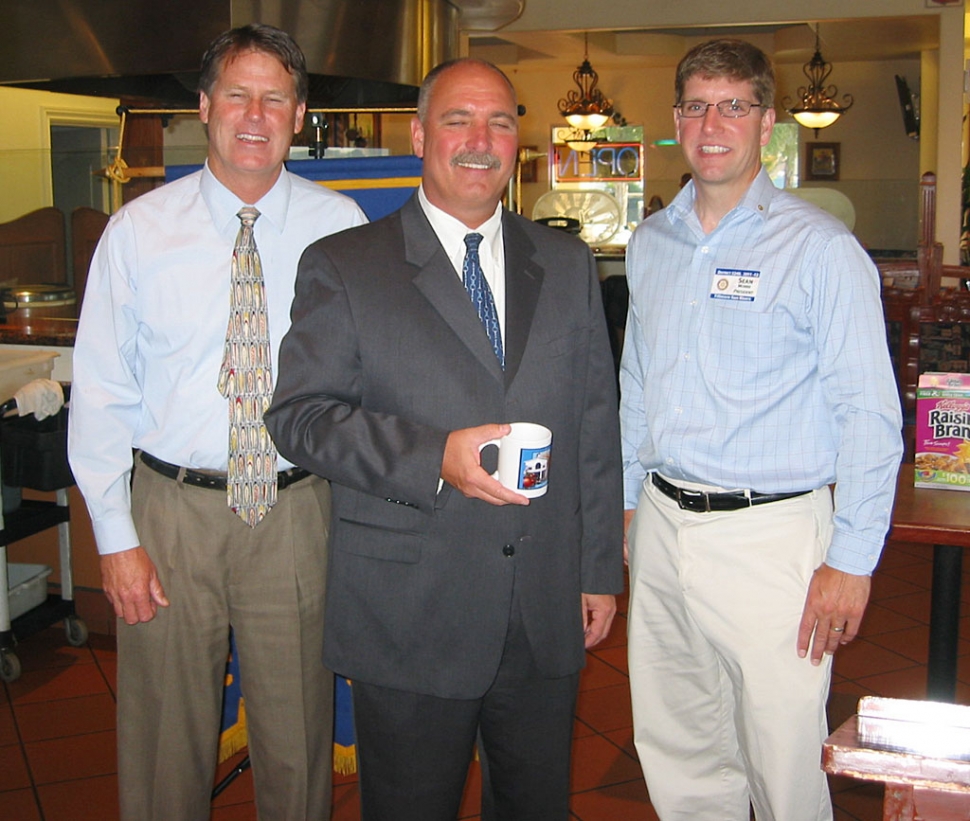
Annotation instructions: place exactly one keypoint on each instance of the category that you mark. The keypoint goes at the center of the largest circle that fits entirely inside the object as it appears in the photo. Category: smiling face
(724, 154)
(469, 140)
(252, 114)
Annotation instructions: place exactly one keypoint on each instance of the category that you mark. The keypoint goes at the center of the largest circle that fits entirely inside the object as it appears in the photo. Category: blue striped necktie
(481, 294)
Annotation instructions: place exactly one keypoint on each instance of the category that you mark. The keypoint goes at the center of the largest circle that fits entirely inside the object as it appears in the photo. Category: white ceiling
(846, 40)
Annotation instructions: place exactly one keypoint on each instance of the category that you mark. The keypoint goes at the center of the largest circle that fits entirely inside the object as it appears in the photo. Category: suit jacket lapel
(523, 282)
(440, 285)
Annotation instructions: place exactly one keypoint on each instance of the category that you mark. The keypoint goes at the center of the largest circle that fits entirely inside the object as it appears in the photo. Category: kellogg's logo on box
(943, 431)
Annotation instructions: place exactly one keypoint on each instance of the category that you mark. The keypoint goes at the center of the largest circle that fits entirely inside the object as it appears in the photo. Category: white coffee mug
(523, 459)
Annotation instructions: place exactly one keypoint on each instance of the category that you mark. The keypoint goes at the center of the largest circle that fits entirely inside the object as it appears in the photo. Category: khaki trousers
(268, 584)
(724, 710)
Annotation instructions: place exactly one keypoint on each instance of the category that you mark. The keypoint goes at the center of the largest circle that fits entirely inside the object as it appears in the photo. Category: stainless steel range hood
(359, 52)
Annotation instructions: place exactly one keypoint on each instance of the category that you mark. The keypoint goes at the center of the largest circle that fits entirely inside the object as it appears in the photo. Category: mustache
(477, 158)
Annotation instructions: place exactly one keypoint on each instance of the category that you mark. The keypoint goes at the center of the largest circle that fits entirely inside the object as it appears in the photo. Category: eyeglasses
(693, 109)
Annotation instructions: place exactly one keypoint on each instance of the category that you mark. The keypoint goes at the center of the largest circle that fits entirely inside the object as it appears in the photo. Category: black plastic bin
(34, 453)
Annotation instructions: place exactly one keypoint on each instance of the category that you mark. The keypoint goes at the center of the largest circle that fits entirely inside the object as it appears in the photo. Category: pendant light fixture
(816, 107)
(581, 142)
(587, 109)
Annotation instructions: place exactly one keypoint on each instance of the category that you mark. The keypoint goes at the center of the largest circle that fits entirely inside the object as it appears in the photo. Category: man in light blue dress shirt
(177, 563)
(755, 386)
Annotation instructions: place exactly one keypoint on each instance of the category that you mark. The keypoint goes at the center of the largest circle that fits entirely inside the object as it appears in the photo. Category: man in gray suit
(459, 608)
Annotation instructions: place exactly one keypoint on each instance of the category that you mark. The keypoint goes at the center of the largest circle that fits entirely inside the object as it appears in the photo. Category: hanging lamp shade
(816, 106)
(586, 108)
(582, 142)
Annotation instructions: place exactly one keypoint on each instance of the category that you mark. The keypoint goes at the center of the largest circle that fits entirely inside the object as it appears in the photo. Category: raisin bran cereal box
(943, 431)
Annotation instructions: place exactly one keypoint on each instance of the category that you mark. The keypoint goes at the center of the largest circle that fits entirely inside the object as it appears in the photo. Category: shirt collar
(759, 195)
(451, 232)
(757, 199)
(223, 205)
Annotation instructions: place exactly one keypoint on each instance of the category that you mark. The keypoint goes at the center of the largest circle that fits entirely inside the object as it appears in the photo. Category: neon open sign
(607, 162)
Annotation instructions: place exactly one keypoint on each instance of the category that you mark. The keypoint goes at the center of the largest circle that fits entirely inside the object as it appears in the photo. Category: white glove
(42, 397)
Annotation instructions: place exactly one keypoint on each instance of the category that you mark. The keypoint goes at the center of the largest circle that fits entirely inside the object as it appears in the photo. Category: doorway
(77, 153)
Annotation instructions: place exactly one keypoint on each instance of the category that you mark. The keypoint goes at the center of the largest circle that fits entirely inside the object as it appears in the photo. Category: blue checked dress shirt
(787, 391)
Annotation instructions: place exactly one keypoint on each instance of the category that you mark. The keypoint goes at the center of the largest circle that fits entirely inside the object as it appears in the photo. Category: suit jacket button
(508, 550)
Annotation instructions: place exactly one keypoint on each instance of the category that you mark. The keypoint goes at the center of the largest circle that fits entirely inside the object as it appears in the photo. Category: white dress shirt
(491, 253)
(153, 326)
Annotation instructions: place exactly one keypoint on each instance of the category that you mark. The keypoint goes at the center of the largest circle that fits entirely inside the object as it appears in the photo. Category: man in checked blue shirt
(755, 379)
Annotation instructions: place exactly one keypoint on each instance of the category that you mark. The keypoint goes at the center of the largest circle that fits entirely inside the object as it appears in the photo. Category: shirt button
(508, 550)
(670, 460)
(705, 250)
(678, 410)
(686, 357)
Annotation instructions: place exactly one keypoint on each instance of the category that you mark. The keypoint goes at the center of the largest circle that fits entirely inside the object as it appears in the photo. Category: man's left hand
(833, 611)
(598, 612)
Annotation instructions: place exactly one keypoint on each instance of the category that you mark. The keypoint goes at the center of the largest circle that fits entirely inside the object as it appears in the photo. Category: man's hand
(461, 466)
(131, 584)
(833, 611)
(627, 518)
(598, 612)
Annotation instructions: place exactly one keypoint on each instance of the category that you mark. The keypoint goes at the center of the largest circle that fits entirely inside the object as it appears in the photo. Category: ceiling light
(586, 109)
(816, 106)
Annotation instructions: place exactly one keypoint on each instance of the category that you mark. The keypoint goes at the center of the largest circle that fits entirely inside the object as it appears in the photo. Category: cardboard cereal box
(943, 431)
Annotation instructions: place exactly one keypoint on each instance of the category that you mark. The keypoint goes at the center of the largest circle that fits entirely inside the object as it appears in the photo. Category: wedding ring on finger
(837, 629)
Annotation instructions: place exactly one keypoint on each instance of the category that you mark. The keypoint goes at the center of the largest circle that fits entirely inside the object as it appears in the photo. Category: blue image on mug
(533, 468)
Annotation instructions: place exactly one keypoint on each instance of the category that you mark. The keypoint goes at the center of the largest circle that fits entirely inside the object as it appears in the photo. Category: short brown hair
(734, 59)
(254, 37)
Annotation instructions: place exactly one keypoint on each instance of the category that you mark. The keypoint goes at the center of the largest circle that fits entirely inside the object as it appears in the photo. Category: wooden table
(917, 786)
(940, 518)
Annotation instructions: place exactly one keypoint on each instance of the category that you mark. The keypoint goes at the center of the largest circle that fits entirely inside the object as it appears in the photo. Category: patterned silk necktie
(246, 380)
(481, 294)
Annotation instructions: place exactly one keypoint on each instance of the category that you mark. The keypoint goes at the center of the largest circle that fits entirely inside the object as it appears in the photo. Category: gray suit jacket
(385, 357)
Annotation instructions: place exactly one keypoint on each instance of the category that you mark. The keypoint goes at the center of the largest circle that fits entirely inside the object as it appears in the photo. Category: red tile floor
(57, 729)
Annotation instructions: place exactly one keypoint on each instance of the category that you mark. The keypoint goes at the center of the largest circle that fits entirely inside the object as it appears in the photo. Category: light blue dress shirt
(756, 357)
(153, 327)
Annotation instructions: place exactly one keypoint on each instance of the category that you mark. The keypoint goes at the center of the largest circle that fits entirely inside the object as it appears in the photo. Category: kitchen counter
(54, 334)
(47, 331)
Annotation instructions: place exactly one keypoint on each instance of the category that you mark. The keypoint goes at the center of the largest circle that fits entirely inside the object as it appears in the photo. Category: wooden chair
(925, 336)
(901, 307)
(961, 273)
(87, 225)
(32, 248)
(923, 273)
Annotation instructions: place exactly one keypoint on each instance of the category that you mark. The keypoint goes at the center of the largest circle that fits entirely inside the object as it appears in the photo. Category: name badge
(735, 284)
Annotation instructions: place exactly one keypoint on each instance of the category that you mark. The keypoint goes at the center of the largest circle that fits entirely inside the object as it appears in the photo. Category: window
(780, 156)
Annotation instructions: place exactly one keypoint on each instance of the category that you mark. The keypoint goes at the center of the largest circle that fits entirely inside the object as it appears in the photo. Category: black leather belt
(700, 501)
(211, 479)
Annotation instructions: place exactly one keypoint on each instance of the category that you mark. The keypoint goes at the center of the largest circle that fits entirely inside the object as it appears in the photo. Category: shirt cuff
(115, 534)
(852, 554)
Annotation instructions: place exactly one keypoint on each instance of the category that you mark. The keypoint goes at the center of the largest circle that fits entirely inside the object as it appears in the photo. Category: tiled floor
(57, 738)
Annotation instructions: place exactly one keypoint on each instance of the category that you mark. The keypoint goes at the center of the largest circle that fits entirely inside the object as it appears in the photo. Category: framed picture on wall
(821, 161)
